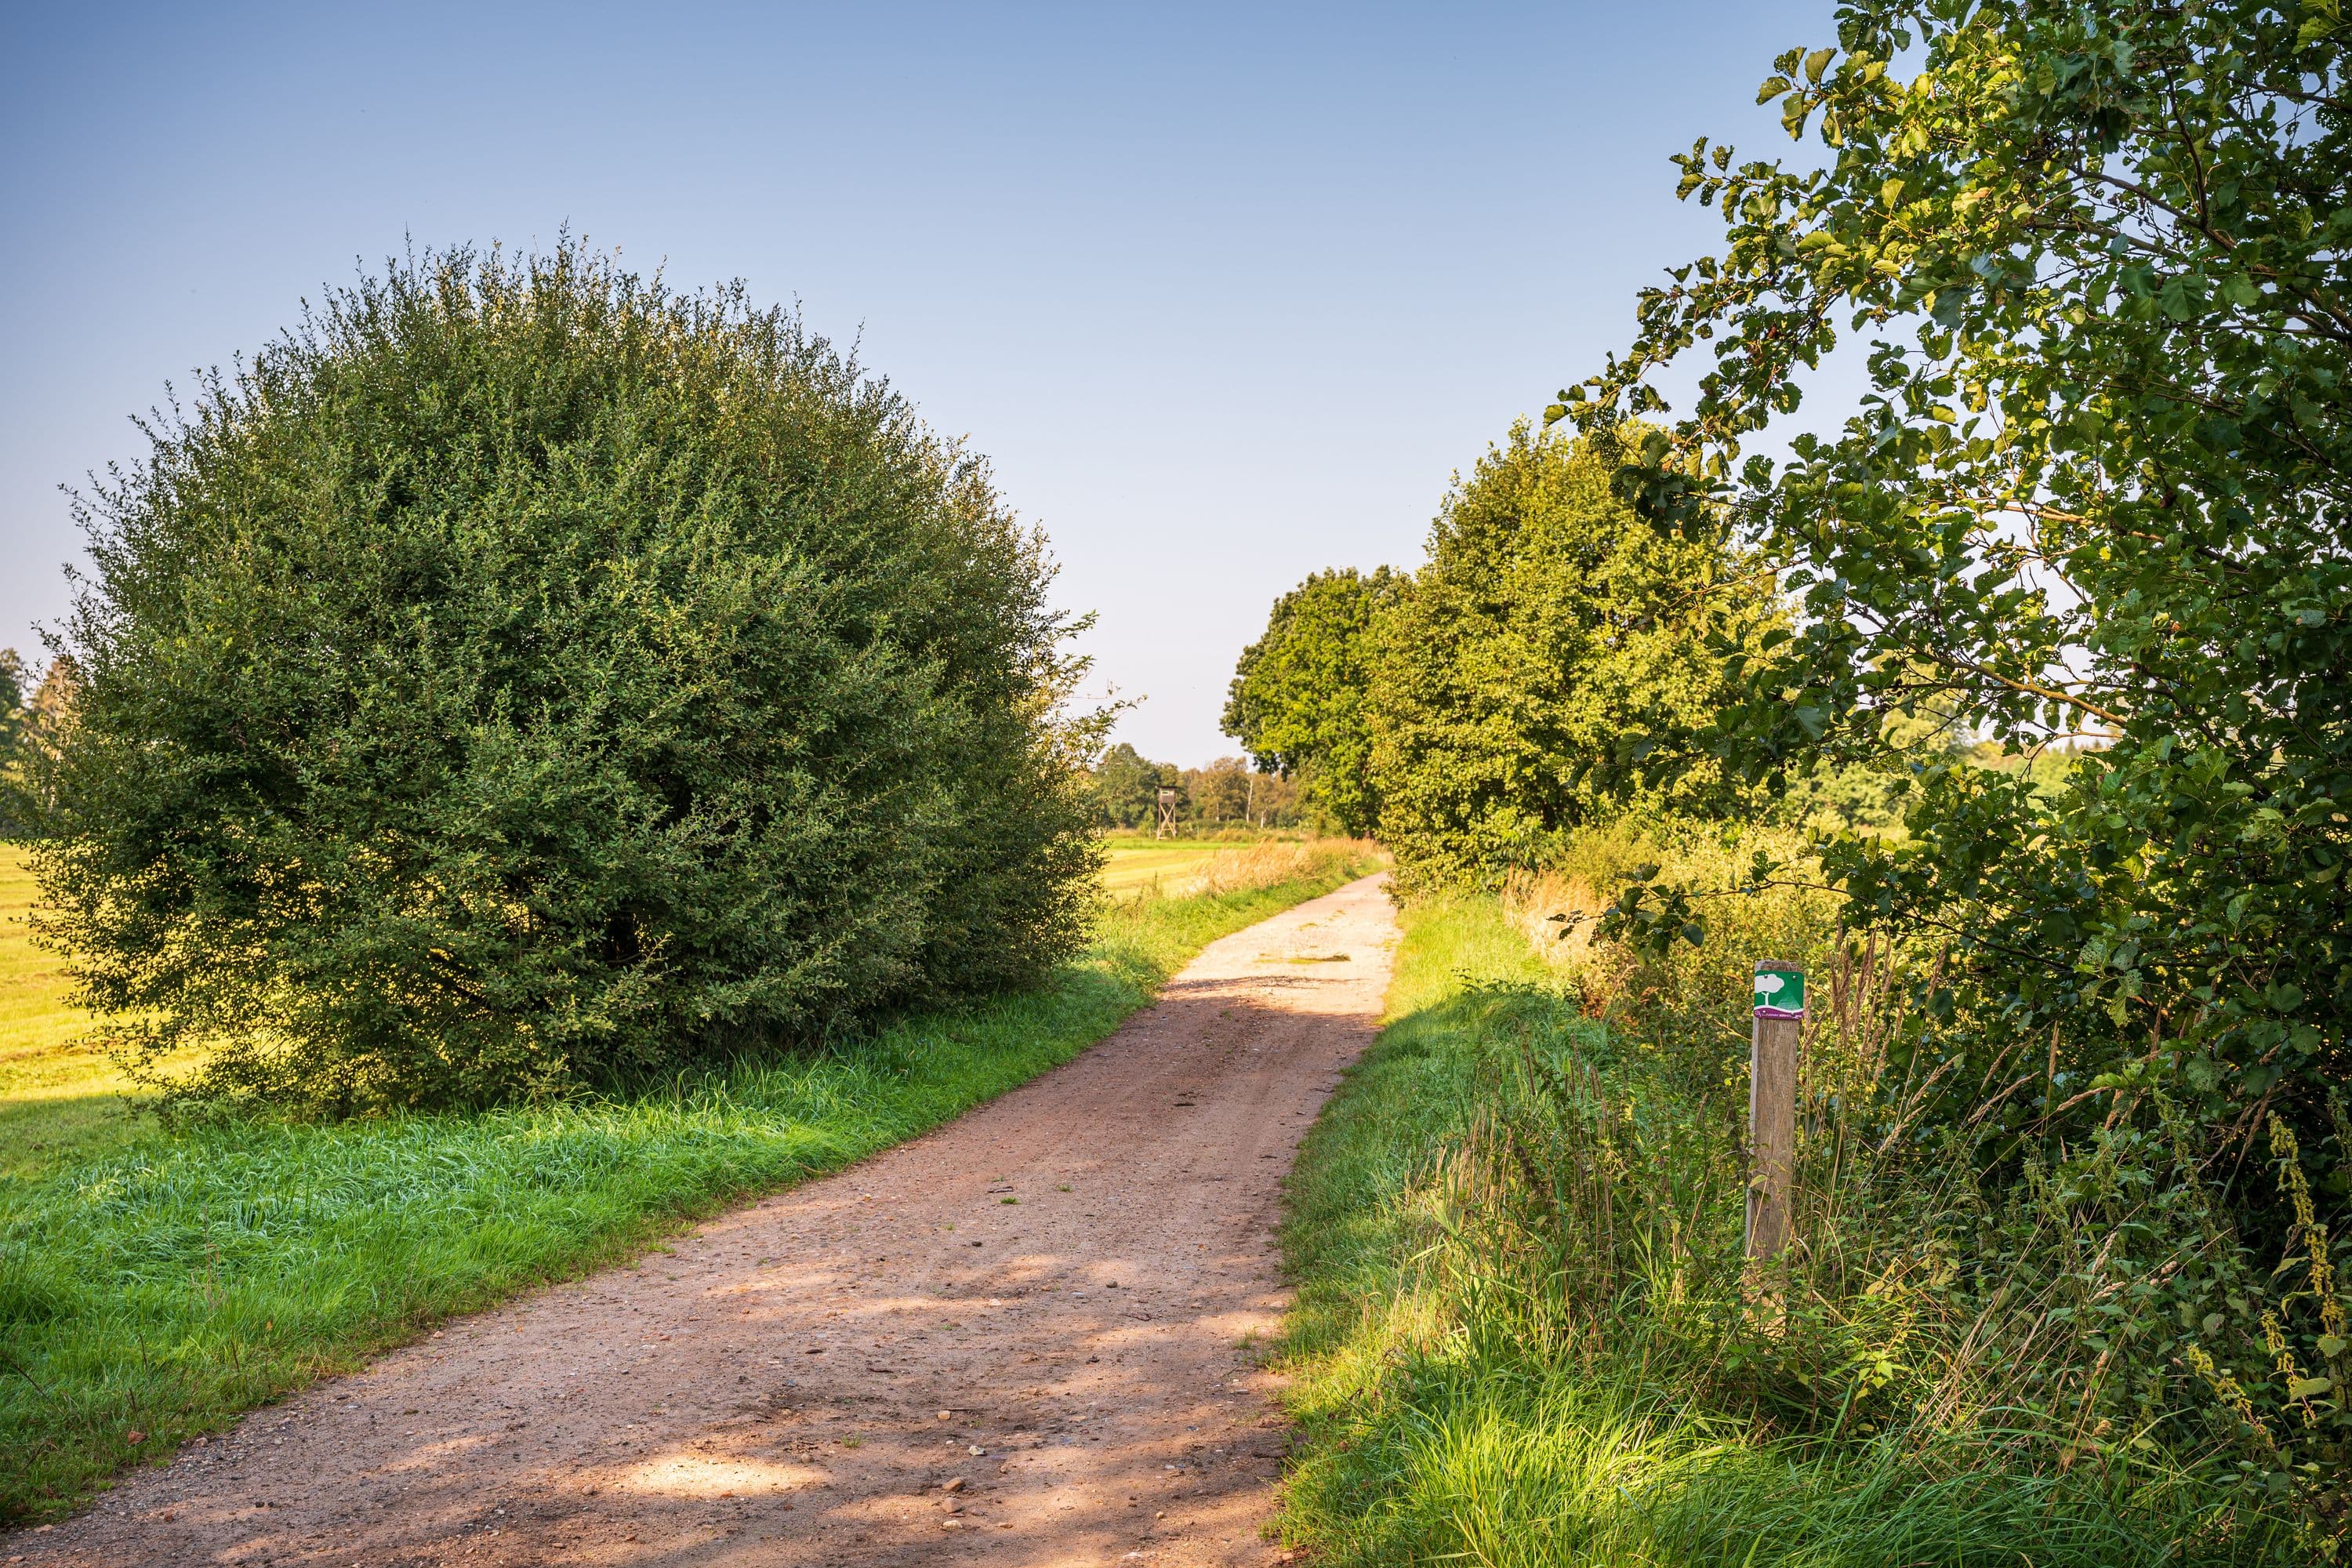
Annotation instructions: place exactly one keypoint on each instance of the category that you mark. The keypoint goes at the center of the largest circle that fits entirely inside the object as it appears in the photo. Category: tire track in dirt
(1018, 1340)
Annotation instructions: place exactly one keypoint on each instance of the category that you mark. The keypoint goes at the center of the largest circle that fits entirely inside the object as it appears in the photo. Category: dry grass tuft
(1556, 911)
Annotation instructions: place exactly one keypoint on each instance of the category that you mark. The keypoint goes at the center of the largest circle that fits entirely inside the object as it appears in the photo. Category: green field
(58, 1100)
(1137, 862)
(153, 1284)
(1133, 862)
(1440, 1429)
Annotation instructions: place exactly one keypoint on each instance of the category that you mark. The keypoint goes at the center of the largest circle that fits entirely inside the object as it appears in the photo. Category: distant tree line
(1123, 791)
(34, 720)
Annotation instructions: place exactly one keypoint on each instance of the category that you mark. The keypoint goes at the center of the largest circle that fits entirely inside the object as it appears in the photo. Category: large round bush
(521, 676)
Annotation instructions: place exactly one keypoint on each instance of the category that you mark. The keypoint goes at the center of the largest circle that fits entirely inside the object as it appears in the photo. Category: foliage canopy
(522, 675)
(32, 727)
(1296, 702)
(1125, 786)
(1551, 645)
(2099, 487)
(2101, 490)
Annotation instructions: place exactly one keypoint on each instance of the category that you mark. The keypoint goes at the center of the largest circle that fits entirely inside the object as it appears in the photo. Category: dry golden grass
(1246, 869)
(1556, 911)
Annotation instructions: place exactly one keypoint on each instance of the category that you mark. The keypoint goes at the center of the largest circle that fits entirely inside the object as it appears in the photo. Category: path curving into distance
(891, 1365)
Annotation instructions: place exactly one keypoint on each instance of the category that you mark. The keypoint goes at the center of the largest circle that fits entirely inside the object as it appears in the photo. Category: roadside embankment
(1494, 1365)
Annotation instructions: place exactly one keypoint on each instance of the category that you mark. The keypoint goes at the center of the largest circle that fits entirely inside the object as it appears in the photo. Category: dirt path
(1043, 1306)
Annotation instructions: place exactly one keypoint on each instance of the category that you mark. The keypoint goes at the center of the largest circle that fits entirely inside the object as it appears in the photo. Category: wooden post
(1772, 1105)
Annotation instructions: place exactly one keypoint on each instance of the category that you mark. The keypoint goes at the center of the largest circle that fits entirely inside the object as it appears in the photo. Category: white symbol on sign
(1770, 983)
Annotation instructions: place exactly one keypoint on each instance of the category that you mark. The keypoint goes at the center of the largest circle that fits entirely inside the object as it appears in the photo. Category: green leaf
(1774, 86)
(1816, 62)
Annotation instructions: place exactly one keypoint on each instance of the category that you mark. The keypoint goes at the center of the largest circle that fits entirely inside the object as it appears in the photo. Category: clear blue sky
(1227, 292)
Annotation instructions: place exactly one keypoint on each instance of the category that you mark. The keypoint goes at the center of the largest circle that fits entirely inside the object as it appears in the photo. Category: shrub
(522, 675)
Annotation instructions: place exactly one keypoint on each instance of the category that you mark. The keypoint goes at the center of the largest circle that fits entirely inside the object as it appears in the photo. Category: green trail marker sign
(1780, 993)
(1772, 1105)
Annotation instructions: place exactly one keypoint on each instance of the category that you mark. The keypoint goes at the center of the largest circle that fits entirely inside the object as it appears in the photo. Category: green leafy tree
(2102, 257)
(1219, 793)
(13, 802)
(2099, 487)
(1552, 647)
(1296, 702)
(521, 676)
(32, 731)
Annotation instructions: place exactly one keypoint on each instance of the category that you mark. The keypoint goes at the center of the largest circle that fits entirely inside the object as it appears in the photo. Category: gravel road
(1021, 1338)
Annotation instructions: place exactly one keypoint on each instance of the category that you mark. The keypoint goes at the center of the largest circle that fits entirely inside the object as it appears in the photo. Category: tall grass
(1525, 1335)
(155, 1291)
(1969, 1261)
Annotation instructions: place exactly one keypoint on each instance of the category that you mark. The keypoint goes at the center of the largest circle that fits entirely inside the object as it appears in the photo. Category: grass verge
(156, 1288)
(1439, 1428)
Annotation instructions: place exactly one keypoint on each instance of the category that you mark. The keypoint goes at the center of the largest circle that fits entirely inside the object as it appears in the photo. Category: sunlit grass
(1437, 1434)
(157, 1283)
(59, 1099)
(1133, 862)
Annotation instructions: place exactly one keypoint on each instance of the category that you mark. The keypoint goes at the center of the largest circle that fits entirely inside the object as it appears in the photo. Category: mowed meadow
(157, 1281)
(57, 1098)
